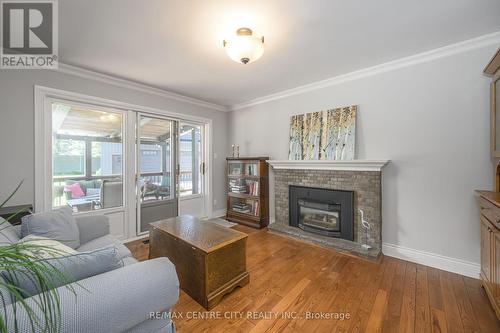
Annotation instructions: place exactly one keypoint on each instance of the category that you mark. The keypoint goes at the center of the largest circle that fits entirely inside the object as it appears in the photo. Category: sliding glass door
(135, 167)
(191, 169)
(156, 179)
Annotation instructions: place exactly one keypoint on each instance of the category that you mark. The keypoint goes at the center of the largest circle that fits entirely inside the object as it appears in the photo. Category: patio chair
(164, 188)
(111, 193)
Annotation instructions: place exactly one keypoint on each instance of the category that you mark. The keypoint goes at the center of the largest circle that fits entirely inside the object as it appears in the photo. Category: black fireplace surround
(322, 211)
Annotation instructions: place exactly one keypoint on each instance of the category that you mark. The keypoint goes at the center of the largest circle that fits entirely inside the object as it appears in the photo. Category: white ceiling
(177, 45)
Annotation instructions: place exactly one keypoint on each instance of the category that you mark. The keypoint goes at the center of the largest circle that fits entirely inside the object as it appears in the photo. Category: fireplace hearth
(322, 211)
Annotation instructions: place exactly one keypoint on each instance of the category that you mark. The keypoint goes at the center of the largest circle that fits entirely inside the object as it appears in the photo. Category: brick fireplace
(360, 179)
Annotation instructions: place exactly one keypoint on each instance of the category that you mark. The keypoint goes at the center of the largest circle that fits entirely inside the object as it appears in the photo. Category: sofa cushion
(57, 224)
(69, 269)
(91, 192)
(92, 227)
(104, 241)
(8, 233)
(129, 261)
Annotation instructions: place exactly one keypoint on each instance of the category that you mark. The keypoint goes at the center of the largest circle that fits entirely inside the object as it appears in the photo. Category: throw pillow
(75, 189)
(8, 233)
(58, 224)
(65, 270)
(45, 248)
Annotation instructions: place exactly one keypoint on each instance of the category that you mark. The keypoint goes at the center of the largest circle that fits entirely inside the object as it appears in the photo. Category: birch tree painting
(324, 135)
(296, 127)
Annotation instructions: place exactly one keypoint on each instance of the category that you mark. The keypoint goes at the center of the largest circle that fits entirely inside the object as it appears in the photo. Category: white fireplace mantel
(344, 165)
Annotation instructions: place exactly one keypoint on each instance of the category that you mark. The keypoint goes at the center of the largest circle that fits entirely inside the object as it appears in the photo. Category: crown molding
(334, 165)
(129, 84)
(445, 51)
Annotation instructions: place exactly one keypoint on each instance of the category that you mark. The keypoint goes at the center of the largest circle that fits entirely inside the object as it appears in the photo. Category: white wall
(431, 120)
(17, 124)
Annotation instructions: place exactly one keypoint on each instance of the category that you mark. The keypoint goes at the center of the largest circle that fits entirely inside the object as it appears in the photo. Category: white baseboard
(219, 213)
(458, 266)
(434, 260)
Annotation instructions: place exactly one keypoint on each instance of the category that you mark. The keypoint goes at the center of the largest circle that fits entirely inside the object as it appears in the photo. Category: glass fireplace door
(319, 217)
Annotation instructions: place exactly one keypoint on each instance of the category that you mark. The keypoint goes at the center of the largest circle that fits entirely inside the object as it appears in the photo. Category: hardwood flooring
(291, 280)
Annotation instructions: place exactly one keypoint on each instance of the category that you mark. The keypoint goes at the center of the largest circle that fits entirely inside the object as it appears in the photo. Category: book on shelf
(243, 207)
(241, 204)
(235, 171)
(237, 186)
(255, 208)
(242, 186)
(253, 188)
(246, 211)
(251, 169)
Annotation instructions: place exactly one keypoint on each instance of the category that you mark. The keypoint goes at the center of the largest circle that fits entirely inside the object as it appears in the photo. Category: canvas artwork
(323, 135)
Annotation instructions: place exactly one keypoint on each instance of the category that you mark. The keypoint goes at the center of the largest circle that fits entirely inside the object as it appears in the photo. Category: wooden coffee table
(209, 259)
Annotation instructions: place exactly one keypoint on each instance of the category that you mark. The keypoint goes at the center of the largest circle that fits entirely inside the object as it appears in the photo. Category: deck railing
(59, 197)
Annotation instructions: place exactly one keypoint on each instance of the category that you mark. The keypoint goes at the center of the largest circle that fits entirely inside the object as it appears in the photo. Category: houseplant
(19, 259)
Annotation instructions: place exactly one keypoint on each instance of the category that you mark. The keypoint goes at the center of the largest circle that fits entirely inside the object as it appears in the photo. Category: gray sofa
(121, 300)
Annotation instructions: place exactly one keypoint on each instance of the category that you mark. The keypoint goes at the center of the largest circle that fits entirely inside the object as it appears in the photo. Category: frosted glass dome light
(244, 48)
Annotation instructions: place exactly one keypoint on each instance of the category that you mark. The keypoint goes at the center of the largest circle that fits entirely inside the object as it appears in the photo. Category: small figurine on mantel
(236, 150)
(367, 226)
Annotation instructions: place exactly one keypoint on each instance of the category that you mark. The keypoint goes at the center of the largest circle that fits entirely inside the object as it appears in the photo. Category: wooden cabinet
(489, 203)
(486, 247)
(248, 191)
(495, 269)
(493, 70)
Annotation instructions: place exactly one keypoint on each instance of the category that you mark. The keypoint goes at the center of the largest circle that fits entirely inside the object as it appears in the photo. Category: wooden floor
(289, 278)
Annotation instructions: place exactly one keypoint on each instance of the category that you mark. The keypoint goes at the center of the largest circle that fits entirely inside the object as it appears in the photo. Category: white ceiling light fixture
(244, 48)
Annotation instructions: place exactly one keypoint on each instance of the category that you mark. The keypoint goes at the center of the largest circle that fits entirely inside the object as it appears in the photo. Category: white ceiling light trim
(129, 84)
(445, 51)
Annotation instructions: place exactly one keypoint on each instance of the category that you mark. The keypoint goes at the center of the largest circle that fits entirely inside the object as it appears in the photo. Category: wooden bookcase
(248, 191)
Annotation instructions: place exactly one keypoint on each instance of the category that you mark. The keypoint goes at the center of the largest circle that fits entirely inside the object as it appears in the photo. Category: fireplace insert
(319, 217)
(322, 211)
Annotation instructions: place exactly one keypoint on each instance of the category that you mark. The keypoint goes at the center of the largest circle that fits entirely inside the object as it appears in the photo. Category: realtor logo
(29, 34)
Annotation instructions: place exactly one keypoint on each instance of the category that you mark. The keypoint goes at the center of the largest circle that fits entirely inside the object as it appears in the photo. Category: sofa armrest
(115, 301)
(92, 227)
